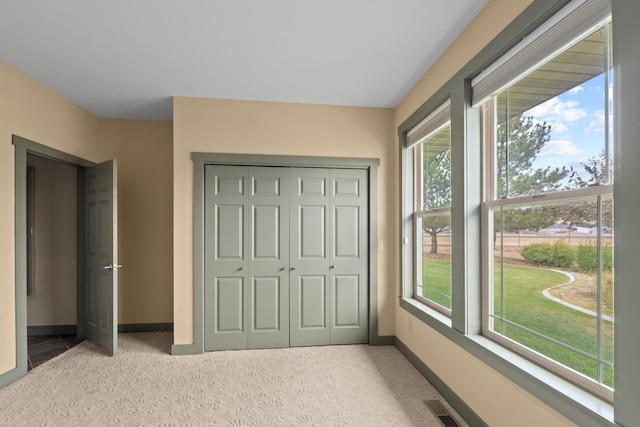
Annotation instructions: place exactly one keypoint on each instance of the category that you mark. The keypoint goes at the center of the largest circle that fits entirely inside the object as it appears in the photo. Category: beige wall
(245, 127)
(54, 299)
(144, 153)
(493, 397)
(32, 111)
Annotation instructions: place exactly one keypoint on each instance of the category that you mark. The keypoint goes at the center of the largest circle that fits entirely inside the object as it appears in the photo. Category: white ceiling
(127, 58)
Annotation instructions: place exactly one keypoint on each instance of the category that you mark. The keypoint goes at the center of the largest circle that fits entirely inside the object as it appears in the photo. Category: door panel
(265, 233)
(229, 300)
(229, 223)
(101, 255)
(313, 233)
(346, 239)
(226, 222)
(312, 302)
(247, 233)
(268, 303)
(349, 256)
(309, 276)
(347, 305)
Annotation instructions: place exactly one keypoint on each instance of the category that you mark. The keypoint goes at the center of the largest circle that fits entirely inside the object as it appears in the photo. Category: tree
(525, 219)
(597, 170)
(519, 142)
(437, 194)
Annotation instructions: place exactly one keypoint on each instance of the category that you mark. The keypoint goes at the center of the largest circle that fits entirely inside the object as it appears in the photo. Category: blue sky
(577, 119)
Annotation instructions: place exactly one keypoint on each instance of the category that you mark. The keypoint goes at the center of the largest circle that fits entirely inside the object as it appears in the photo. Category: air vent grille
(440, 411)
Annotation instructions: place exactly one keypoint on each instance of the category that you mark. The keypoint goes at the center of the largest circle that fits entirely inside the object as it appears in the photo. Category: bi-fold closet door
(285, 257)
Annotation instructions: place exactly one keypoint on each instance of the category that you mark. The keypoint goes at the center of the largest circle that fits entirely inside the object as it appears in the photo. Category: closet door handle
(242, 268)
(333, 266)
(293, 268)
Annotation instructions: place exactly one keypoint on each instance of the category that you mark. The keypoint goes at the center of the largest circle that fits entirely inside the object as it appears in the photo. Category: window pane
(434, 252)
(553, 126)
(552, 282)
(436, 167)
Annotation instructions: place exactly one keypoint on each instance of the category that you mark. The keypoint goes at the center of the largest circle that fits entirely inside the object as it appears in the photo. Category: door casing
(202, 159)
(22, 147)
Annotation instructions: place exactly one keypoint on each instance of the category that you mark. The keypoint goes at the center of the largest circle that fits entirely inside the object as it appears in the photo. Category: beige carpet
(353, 385)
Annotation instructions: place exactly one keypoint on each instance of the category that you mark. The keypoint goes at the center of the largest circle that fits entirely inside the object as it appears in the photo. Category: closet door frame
(202, 159)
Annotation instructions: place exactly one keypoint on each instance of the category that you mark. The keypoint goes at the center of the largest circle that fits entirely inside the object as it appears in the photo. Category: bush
(559, 254)
(587, 258)
(537, 253)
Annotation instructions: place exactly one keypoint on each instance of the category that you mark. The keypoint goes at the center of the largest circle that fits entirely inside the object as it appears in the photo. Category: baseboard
(382, 340)
(458, 404)
(145, 327)
(182, 349)
(11, 376)
(51, 330)
(123, 328)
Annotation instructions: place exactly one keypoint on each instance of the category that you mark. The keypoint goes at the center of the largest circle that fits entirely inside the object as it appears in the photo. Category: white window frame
(439, 118)
(463, 329)
(491, 201)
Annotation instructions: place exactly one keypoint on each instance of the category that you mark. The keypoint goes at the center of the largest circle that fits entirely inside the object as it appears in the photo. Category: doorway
(52, 262)
(96, 249)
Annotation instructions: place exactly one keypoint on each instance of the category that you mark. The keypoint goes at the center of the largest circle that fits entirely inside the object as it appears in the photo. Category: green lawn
(437, 281)
(524, 304)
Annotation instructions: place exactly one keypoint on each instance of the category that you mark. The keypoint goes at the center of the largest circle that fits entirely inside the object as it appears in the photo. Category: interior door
(348, 270)
(269, 258)
(101, 204)
(309, 278)
(226, 262)
(329, 256)
(246, 257)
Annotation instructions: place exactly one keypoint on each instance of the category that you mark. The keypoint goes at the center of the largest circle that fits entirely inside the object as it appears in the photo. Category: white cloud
(557, 113)
(576, 90)
(596, 125)
(559, 147)
(558, 127)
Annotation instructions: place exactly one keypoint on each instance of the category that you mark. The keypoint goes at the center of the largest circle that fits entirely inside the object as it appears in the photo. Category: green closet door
(309, 216)
(268, 258)
(246, 257)
(226, 258)
(329, 256)
(348, 256)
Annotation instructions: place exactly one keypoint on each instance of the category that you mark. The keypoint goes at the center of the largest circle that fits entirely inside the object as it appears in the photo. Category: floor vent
(441, 413)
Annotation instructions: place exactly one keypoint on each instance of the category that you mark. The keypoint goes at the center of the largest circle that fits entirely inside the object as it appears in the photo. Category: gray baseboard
(11, 376)
(182, 349)
(458, 404)
(144, 327)
(383, 340)
(72, 329)
(51, 330)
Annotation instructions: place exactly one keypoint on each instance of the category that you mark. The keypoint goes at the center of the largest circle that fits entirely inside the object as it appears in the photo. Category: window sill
(578, 405)
(426, 313)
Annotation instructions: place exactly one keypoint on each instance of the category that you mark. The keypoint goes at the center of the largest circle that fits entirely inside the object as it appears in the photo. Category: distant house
(556, 228)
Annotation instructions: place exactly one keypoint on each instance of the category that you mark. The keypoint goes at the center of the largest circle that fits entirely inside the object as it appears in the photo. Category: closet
(285, 256)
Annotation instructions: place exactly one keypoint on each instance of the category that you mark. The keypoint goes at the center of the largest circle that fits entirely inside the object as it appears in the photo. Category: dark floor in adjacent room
(41, 348)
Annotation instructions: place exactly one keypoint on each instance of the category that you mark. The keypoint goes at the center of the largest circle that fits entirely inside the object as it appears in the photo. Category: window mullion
(599, 288)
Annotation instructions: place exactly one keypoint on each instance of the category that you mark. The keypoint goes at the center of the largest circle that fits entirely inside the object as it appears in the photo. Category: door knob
(242, 268)
(333, 266)
(112, 266)
(293, 268)
(283, 268)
